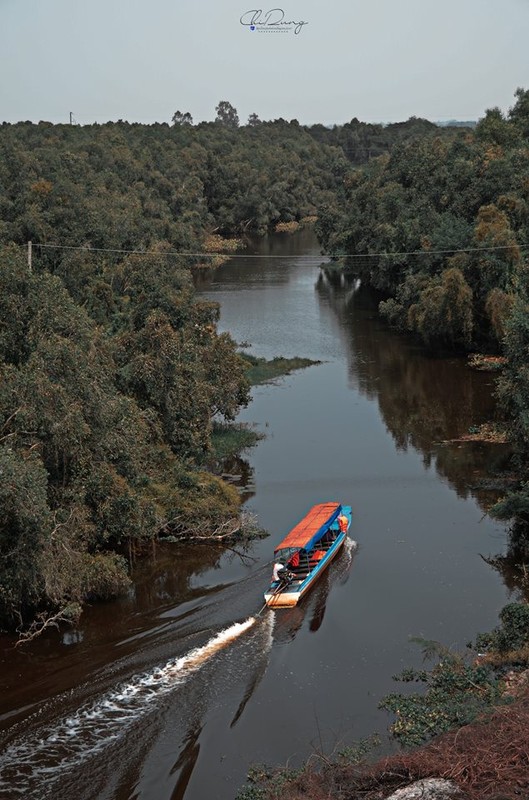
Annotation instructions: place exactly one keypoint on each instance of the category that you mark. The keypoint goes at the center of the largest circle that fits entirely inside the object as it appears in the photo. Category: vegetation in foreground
(104, 425)
(471, 723)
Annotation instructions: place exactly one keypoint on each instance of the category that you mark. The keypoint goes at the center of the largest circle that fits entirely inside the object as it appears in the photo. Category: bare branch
(44, 621)
(13, 415)
(239, 528)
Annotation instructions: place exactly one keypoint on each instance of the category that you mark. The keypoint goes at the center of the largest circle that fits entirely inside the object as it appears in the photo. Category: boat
(306, 552)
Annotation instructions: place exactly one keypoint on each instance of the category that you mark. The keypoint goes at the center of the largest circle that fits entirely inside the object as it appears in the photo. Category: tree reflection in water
(288, 621)
(425, 400)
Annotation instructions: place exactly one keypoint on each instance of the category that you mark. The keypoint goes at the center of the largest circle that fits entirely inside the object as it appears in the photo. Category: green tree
(24, 528)
(227, 114)
(513, 385)
(493, 127)
(182, 118)
(444, 310)
(519, 113)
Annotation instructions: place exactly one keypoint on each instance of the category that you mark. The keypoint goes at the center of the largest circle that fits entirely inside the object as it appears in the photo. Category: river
(176, 690)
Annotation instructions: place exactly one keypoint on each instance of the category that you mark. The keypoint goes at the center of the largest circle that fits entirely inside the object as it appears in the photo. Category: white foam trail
(344, 564)
(269, 621)
(26, 763)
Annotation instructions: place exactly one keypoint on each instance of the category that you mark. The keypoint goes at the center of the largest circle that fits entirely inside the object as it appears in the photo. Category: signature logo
(270, 21)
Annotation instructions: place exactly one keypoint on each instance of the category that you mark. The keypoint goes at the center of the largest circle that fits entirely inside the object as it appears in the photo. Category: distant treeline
(122, 185)
(362, 141)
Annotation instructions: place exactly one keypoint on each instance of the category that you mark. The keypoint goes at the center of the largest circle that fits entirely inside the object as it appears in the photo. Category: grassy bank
(261, 370)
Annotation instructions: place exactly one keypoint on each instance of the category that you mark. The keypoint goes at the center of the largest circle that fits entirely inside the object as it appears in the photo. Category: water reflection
(172, 578)
(237, 471)
(424, 401)
(185, 763)
(289, 620)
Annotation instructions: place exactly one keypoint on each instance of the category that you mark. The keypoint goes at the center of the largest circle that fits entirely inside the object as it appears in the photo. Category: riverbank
(487, 759)
(482, 704)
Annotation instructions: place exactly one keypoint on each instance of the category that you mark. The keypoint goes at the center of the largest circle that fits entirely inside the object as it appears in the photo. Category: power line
(260, 255)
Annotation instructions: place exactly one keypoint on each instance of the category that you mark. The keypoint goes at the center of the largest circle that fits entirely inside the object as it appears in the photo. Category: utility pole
(29, 255)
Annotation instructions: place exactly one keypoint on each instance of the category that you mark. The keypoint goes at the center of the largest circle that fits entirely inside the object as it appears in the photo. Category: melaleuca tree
(182, 118)
(490, 271)
(494, 127)
(443, 312)
(425, 202)
(188, 375)
(519, 113)
(513, 385)
(85, 468)
(25, 527)
(513, 394)
(227, 115)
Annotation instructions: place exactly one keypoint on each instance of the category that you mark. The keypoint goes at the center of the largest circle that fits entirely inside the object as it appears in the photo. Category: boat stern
(281, 599)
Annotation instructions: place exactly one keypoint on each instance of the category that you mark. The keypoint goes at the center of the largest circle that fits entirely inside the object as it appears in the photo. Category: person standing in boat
(343, 523)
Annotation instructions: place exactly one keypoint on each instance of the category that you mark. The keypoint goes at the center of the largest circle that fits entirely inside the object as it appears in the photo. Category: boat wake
(345, 563)
(30, 762)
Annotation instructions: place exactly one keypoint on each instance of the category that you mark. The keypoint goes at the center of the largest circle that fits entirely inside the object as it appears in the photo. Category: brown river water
(176, 690)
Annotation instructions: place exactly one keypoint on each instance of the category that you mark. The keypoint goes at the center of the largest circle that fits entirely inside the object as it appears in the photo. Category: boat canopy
(311, 528)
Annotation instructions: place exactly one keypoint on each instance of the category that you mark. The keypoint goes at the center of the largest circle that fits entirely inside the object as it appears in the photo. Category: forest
(440, 228)
(113, 375)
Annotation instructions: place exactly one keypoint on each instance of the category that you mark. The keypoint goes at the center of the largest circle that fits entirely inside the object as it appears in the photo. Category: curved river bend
(176, 690)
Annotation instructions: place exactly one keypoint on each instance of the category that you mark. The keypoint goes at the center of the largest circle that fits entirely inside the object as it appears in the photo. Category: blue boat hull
(316, 560)
(292, 594)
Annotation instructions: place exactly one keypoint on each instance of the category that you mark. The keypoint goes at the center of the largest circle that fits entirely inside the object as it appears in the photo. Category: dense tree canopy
(112, 373)
(441, 226)
(363, 141)
(104, 421)
(127, 186)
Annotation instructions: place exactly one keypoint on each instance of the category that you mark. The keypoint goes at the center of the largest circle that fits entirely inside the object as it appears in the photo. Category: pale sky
(378, 60)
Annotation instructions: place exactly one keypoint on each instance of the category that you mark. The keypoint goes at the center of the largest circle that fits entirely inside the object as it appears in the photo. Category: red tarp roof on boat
(303, 532)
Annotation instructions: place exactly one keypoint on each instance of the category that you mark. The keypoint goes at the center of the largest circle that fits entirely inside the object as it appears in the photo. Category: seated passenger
(294, 561)
(280, 572)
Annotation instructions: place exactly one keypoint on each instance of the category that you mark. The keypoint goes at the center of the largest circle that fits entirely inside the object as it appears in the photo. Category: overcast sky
(378, 60)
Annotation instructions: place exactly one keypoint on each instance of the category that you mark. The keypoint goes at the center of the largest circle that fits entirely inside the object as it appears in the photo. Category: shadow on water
(312, 607)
